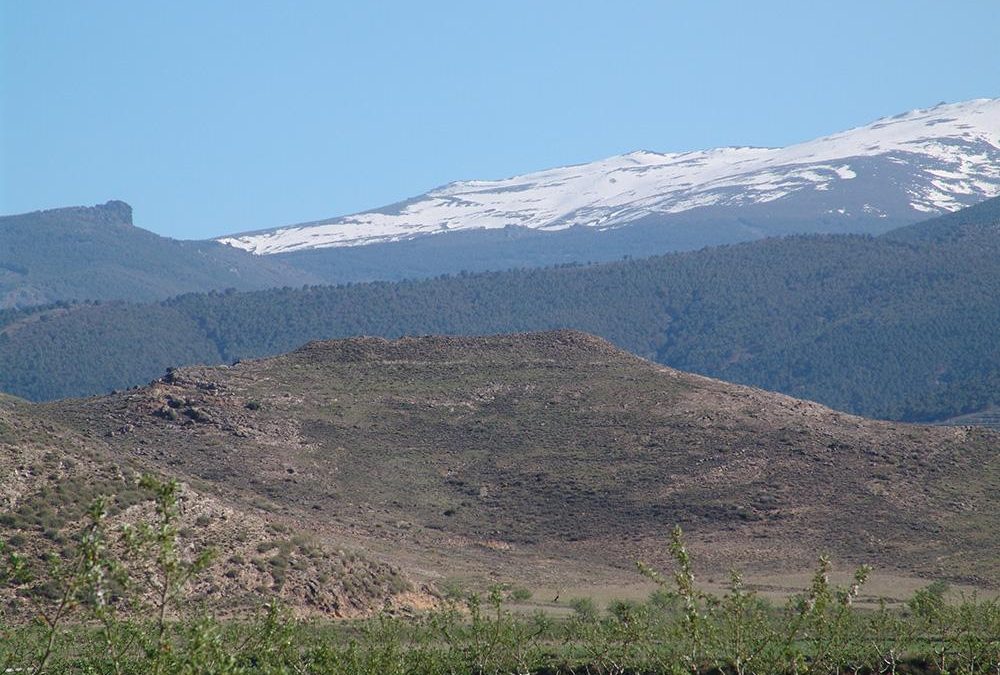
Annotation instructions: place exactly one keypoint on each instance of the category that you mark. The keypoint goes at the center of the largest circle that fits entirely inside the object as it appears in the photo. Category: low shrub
(96, 614)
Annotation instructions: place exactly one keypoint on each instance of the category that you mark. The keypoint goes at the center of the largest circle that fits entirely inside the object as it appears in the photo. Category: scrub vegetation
(115, 605)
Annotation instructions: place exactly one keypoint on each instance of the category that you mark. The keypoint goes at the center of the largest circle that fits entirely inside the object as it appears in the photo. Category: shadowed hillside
(897, 327)
(96, 253)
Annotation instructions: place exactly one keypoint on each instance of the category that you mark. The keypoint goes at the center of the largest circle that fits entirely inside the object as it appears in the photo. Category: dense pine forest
(900, 326)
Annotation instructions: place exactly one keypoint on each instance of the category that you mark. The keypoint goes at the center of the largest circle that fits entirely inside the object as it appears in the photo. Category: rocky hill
(50, 473)
(551, 456)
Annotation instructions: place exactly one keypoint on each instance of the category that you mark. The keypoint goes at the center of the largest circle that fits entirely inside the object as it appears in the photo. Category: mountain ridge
(98, 253)
(868, 180)
(926, 161)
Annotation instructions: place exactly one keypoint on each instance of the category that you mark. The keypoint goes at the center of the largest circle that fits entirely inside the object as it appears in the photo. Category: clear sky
(218, 117)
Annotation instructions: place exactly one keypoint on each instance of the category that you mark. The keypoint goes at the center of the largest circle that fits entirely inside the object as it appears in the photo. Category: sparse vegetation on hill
(50, 475)
(545, 458)
(498, 452)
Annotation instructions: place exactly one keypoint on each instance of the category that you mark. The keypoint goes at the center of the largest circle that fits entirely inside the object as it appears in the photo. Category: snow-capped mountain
(894, 171)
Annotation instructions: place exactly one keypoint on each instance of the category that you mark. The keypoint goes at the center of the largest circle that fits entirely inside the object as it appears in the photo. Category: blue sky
(217, 117)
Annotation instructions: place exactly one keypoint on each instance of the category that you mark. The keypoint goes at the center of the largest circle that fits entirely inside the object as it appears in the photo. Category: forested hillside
(96, 253)
(901, 326)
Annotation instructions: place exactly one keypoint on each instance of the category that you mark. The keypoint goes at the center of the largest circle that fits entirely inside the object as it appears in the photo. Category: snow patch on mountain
(951, 156)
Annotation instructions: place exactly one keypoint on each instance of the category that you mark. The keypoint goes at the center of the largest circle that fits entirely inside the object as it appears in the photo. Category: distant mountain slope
(869, 179)
(877, 326)
(979, 220)
(866, 180)
(514, 248)
(553, 455)
(95, 253)
(518, 247)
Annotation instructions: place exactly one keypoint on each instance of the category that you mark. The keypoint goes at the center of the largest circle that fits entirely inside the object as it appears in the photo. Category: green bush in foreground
(116, 606)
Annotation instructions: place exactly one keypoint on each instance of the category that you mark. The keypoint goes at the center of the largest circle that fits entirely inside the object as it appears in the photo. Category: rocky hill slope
(50, 473)
(548, 456)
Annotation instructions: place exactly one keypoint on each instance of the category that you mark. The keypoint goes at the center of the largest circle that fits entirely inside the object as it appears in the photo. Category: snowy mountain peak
(898, 168)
